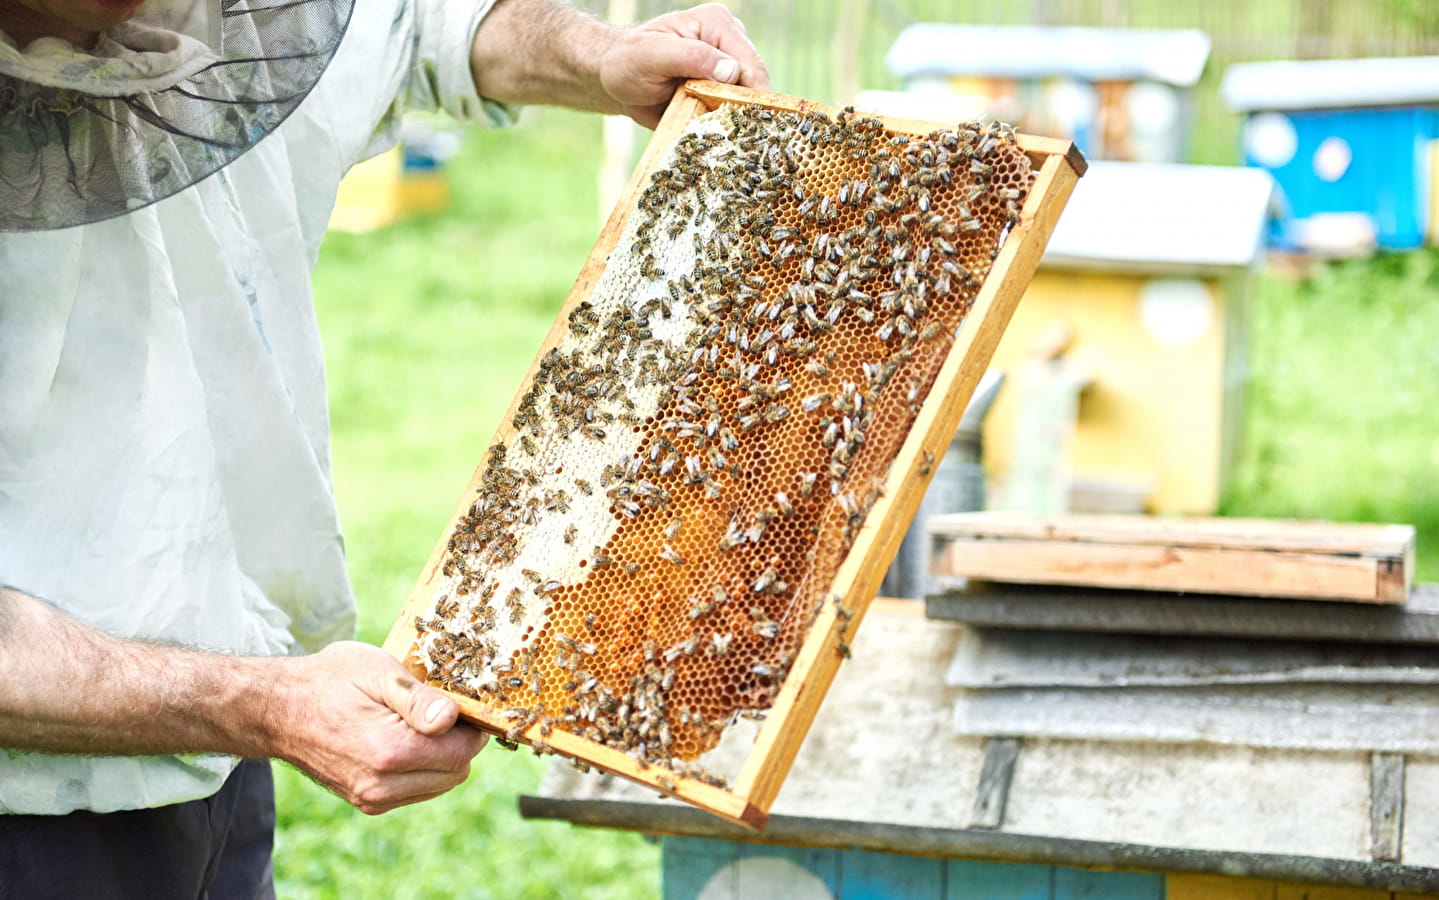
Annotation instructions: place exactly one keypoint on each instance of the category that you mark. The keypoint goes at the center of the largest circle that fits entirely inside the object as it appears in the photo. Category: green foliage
(471, 843)
(1344, 398)
(1417, 14)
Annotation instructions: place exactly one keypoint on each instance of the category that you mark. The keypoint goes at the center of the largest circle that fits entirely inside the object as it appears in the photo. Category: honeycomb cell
(693, 457)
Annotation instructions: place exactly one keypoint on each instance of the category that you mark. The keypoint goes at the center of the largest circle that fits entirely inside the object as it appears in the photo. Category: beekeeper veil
(159, 102)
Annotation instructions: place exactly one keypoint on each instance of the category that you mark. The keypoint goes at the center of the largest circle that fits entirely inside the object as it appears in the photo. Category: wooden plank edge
(400, 641)
(1121, 566)
(1386, 806)
(707, 797)
(1319, 534)
(983, 604)
(996, 774)
(794, 709)
(985, 844)
(1396, 576)
(714, 93)
(1379, 541)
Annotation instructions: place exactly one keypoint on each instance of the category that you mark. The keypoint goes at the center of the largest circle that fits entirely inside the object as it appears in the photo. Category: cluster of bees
(696, 453)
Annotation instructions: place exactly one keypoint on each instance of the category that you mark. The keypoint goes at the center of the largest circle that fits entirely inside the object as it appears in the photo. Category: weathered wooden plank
(975, 880)
(1383, 541)
(1264, 557)
(1386, 806)
(995, 847)
(1065, 608)
(1168, 568)
(995, 776)
(1085, 884)
(1009, 657)
(1398, 718)
(884, 876)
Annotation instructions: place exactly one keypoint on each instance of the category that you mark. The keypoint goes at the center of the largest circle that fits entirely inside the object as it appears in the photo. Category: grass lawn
(430, 324)
(1343, 408)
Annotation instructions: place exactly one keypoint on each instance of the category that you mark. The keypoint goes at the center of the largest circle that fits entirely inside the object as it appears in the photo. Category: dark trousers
(212, 849)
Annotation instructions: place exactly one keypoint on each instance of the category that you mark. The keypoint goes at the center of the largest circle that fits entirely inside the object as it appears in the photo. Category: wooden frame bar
(1058, 165)
(1256, 557)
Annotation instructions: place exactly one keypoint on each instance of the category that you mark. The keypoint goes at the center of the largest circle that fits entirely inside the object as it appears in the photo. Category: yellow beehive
(723, 436)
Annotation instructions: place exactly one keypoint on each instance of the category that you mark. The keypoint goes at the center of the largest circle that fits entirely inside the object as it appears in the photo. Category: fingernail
(726, 70)
(435, 710)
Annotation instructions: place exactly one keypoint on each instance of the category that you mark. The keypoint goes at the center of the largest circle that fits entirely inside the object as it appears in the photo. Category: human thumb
(423, 708)
(726, 70)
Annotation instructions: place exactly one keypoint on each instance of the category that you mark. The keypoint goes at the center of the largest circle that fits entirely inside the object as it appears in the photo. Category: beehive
(710, 463)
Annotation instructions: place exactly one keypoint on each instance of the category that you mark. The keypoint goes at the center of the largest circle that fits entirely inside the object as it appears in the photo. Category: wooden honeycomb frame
(1056, 165)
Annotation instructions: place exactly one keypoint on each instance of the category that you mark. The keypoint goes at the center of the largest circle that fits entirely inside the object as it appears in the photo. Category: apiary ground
(700, 444)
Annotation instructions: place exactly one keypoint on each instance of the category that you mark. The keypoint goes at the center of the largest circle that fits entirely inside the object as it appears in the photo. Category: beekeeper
(173, 596)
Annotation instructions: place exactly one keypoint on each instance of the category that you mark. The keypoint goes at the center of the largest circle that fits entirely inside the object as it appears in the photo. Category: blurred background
(1310, 352)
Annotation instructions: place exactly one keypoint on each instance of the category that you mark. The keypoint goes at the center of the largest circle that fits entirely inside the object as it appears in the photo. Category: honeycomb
(698, 448)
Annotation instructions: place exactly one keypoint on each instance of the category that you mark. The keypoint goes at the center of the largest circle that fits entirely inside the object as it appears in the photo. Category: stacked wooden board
(1297, 636)
(1246, 557)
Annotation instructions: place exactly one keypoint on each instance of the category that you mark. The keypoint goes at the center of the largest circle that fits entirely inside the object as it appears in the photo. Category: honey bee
(806, 482)
(765, 580)
(719, 644)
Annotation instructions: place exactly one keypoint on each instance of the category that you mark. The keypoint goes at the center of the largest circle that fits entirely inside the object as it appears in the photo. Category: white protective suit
(164, 448)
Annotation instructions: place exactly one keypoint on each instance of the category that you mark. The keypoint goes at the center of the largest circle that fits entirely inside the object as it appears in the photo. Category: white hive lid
(1172, 56)
(1331, 84)
(1163, 217)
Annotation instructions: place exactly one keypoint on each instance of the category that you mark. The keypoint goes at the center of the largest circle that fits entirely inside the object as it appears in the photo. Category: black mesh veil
(68, 157)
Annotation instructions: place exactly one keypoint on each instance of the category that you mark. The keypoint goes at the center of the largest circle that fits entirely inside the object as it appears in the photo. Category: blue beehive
(1350, 144)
